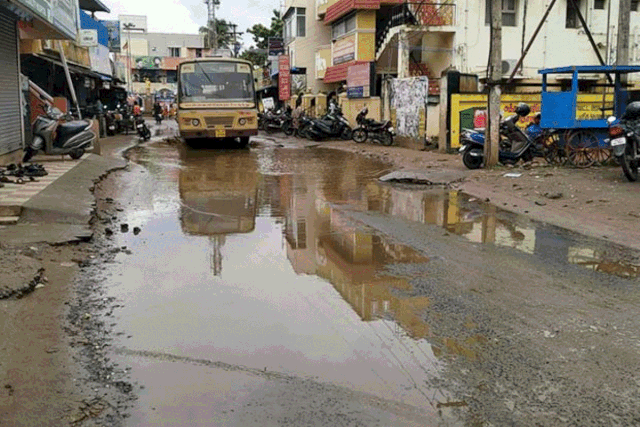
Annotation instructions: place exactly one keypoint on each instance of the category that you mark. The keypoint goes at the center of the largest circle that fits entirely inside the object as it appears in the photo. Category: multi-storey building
(427, 37)
(151, 59)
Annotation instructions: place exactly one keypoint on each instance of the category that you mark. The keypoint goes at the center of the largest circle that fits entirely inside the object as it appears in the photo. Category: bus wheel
(244, 142)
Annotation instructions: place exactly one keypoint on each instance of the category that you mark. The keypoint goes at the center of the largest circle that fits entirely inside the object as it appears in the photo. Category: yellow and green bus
(217, 100)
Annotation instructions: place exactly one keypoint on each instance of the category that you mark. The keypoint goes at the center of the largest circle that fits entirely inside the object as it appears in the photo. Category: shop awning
(93, 6)
(338, 73)
(76, 69)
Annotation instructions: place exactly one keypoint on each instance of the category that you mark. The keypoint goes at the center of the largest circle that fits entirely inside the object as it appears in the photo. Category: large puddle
(247, 261)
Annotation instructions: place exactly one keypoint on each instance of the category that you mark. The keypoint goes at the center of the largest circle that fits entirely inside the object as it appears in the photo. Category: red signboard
(284, 78)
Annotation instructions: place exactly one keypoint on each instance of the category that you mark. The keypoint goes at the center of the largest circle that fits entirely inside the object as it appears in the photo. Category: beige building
(303, 35)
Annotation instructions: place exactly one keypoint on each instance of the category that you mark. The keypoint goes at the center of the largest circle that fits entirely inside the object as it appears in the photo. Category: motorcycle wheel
(28, 154)
(77, 153)
(147, 134)
(346, 134)
(359, 135)
(386, 139)
(471, 162)
(629, 166)
(288, 129)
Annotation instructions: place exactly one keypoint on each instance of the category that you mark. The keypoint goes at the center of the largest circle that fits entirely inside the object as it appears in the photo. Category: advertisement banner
(62, 14)
(99, 56)
(344, 50)
(284, 78)
(113, 27)
(359, 81)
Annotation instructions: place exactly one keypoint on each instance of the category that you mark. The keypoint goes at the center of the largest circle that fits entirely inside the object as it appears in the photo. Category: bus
(217, 100)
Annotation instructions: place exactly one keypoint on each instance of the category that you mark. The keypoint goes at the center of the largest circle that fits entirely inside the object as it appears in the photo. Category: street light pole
(128, 26)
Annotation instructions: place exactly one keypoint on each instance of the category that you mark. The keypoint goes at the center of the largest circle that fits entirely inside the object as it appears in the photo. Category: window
(343, 26)
(598, 4)
(572, 20)
(174, 52)
(634, 5)
(198, 53)
(509, 8)
(295, 24)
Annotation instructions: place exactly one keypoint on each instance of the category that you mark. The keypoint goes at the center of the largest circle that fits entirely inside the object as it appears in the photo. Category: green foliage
(224, 29)
(258, 53)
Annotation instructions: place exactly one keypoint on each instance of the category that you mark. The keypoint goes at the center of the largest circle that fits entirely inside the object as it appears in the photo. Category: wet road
(261, 292)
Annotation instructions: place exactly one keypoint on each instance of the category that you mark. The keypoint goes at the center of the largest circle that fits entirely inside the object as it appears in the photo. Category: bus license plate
(220, 133)
(618, 141)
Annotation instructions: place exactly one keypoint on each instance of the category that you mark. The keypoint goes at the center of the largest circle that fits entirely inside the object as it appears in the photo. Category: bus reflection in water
(218, 192)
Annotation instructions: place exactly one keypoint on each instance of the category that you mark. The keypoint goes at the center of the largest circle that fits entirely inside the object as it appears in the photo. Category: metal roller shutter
(10, 127)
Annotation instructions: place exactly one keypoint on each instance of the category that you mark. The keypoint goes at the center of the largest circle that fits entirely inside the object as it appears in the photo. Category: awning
(338, 73)
(76, 69)
(93, 6)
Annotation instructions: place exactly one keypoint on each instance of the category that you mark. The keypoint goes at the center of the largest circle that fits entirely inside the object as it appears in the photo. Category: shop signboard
(88, 38)
(99, 57)
(61, 14)
(284, 78)
(276, 47)
(113, 27)
(344, 50)
(359, 80)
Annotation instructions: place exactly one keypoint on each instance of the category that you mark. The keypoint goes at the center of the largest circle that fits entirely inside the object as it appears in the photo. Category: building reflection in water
(218, 194)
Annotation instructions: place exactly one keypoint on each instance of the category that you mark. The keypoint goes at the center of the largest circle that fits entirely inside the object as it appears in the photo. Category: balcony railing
(421, 14)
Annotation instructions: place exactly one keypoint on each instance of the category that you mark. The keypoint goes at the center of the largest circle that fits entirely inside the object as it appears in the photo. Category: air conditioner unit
(508, 65)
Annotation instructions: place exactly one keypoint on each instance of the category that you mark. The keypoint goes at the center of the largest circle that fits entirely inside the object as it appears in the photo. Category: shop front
(55, 19)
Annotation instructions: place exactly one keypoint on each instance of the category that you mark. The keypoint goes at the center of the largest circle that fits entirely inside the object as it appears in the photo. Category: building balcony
(418, 16)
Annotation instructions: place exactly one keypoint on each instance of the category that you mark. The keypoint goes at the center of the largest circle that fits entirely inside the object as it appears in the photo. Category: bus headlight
(195, 122)
(242, 122)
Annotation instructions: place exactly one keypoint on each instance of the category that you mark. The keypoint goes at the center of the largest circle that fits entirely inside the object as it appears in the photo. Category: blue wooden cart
(581, 141)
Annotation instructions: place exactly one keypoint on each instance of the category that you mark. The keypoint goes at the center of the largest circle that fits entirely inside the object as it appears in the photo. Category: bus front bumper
(212, 133)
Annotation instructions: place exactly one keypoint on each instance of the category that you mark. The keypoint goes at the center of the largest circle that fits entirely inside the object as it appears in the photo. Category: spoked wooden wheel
(601, 155)
(553, 153)
(580, 146)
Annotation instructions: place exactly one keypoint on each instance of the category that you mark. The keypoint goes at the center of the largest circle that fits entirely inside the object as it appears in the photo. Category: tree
(224, 30)
(258, 53)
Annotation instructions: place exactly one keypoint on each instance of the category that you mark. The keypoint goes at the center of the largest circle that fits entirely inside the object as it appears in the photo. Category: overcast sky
(186, 16)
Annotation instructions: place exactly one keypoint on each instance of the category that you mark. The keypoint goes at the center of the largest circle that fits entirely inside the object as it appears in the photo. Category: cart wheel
(580, 146)
(553, 153)
(601, 155)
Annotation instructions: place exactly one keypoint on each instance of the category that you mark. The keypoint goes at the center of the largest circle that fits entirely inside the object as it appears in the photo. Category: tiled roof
(342, 7)
(338, 73)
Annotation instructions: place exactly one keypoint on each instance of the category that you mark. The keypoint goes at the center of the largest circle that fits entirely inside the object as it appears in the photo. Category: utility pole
(495, 76)
(622, 52)
(236, 46)
(128, 26)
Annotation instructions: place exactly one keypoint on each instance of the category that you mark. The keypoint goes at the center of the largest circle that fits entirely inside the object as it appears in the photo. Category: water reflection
(218, 193)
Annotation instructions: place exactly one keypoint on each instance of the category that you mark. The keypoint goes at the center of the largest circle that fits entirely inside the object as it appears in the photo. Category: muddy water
(251, 298)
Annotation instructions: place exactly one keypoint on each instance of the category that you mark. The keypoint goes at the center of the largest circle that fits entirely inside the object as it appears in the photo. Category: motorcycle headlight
(195, 122)
(242, 122)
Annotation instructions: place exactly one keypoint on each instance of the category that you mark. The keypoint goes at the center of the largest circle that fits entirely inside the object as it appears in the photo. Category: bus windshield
(216, 81)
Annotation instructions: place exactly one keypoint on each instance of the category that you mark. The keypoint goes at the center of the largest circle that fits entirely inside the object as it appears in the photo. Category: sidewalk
(55, 208)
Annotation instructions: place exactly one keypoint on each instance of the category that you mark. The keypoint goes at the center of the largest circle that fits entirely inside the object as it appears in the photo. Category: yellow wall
(366, 20)
(351, 108)
(588, 107)
(323, 61)
(366, 47)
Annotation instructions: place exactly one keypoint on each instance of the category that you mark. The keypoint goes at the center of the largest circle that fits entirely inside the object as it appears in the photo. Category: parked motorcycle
(381, 132)
(143, 130)
(332, 125)
(111, 123)
(624, 139)
(514, 143)
(54, 136)
(275, 121)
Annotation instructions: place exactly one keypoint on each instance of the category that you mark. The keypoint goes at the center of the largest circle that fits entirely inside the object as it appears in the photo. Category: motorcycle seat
(69, 129)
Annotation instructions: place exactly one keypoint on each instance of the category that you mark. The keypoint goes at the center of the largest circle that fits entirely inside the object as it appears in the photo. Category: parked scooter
(143, 130)
(332, 125)
(111, 123)
(381, 132)
(514, 143)
(278, 121)
(55, 137)
(624, 139)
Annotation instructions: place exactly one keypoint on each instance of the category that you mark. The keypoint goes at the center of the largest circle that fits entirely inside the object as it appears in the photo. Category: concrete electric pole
(492, 143)
(622, 50)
